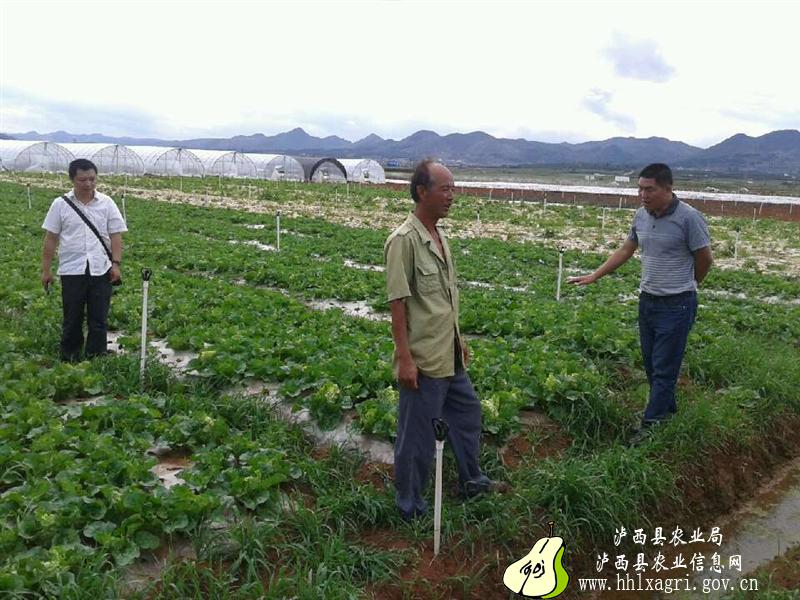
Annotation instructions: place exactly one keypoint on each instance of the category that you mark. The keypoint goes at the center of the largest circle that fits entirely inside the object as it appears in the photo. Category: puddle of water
(493, 286)
(354, 265)
(764, 528)
(91, 401)
(725, 294)
(377, 450)
(112, 342)
(256, 243)
(779, 300)
(176, 359)
(479, 284)
(343, 434)
(743, 296)
(168, 469)
(359, 309)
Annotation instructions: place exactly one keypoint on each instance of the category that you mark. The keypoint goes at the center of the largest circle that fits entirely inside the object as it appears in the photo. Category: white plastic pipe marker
(146, 274)
(561, 251)
(440, 428)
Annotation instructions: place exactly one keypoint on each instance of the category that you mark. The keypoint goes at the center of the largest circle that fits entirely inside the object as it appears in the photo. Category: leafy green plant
(378, 416)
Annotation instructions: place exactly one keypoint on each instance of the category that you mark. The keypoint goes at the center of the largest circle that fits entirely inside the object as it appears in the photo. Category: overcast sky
(697, 72)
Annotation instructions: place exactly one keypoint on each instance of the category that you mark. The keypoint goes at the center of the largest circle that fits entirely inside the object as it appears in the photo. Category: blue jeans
(664, 325)
(452, 399)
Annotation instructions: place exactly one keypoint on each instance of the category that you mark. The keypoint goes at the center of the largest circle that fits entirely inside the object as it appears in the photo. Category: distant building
(622, 179)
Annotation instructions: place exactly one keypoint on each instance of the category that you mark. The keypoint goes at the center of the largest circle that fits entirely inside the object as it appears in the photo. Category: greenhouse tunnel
(109, 158)
(323, 170)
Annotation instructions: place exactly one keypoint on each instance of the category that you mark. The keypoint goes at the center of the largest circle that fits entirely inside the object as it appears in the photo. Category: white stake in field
(146, 274)
(278, 229)
(561, 250)
(440, 428)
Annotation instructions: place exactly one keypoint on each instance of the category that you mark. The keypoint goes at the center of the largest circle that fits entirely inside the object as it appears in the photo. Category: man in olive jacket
(430, 354)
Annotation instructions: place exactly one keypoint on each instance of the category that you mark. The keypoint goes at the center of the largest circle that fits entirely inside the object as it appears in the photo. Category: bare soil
(451, 575)
(541, 438)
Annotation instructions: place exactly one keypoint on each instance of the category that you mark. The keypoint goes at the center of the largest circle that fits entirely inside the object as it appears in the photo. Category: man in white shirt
(84, 265)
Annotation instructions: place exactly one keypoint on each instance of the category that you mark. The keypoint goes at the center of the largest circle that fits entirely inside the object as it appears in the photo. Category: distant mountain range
(775, 153)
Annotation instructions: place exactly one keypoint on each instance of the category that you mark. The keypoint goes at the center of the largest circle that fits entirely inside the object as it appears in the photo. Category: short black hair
(421, 176)
(81, 164)
(658, 171)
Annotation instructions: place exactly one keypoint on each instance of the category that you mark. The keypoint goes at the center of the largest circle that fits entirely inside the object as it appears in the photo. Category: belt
(650, 296)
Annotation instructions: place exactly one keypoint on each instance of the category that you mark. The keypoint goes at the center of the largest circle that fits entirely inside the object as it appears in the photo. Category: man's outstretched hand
(582, 279)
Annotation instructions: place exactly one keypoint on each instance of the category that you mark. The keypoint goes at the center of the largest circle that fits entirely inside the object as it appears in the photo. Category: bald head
(433, 191)
(426, 174)
(440, 174)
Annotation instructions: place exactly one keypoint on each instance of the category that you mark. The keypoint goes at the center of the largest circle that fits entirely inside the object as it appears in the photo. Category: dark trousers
(664, 325)
(452, 399)
(90, 295)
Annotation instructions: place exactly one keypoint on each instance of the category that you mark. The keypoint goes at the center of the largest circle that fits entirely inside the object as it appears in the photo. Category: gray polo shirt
(667, 244)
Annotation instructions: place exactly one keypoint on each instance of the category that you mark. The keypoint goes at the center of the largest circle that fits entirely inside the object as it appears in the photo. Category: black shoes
(415, 514)
(471, 489)
(643, 433)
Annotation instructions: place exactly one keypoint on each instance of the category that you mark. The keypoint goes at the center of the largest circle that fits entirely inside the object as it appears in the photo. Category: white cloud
(638, 59)
(599, 102)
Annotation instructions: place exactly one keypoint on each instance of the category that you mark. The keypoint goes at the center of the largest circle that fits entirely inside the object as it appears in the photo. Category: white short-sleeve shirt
(77, 244)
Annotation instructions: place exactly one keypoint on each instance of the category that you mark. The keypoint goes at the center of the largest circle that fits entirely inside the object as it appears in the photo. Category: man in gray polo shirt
(676, 257)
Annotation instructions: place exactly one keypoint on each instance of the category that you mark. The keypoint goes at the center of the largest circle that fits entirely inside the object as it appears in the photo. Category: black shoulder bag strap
(90, 225)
